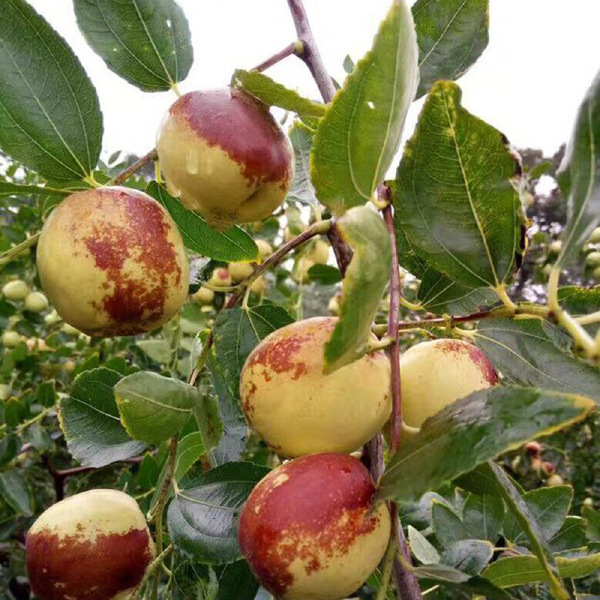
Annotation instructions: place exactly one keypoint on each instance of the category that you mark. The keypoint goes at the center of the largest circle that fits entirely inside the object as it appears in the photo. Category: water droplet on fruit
(174, 191)
(192, 162)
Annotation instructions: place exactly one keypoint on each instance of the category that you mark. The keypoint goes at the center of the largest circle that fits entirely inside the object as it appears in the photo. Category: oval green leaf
(359, 135)
(146, 42)
(50, 118)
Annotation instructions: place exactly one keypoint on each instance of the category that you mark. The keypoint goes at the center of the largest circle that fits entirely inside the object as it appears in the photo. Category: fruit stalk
(311, 57)
(407, 586)
(295, 48)
(7, 256)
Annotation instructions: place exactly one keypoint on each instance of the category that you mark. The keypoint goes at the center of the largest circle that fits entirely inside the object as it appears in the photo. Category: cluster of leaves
(460, 233)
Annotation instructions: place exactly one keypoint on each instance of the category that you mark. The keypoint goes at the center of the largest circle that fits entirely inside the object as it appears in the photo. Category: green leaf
(581, 168)
(209, 424)
(451, 35)
(469, 556)
(460, 582)
(146, 42)
(16, 492)
(231, 245)
(521, 570)
(302, 189)
(592, 518)
(570, 536)
(272, 93)
(154, 408)
(519, 508)
(581, 301)
(363, 287)
(549, 506)
(454, 193)
(9, 448)
(324, 274)
(14, 189)
(237, 332)
(474, 430)
(46, 394)
(359, 135)
(422, 548)
(157, 350)
(536, 353)
(440, 295)
(203, 519)
(189, 451)
(50, 118)
(89, 418)
(447, 525)
(483, 516)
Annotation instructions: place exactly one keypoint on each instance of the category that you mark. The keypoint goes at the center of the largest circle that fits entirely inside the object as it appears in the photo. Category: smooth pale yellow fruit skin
(593, 259)
(52, 318)
(319, 252)
(439, 372)
(240, 270)
(220, 278)
(227, 175)
(10, 339)
(301, 269)
(597, 273)
(112, 262)
(35, 302)
(259, 286)
(15, 290)
(204, 296)
(264, 248)
(595, 237)
(555, 247)
(297, 409)
(309, 529)
(5, 391)
(76, 535)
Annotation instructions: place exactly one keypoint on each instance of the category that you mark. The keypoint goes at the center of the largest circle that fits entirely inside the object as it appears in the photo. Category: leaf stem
(589, 319)
(9, 255)
(134, 168)
(295, 48)
(153, 566)
(388, 563)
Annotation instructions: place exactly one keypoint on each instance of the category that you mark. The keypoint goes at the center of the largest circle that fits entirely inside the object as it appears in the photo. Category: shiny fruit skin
(204, 296)
(220, 278)
(595, 237)
(307, 529)
(297, 409)
(35, 302)
(112, 262)
(439, 372)
(240, 270)
(264, 248)
(225, 156)
(92, 546)
(15, 290)
(593, 259)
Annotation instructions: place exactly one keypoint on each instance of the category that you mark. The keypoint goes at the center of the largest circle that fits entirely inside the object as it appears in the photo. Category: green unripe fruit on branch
(595, 237)
(112, 262)
(5, 391)
(10, 339)
(297, 409)
(92, 546)
(318, 252)
(593, 259)
(15, 290)
(204, 296)
(225, 156)
(439, 372)
(309, 528)
(597, 273)
(264, 249)
(240, 270)
(220, 278)
(555, 247)
(35, 302)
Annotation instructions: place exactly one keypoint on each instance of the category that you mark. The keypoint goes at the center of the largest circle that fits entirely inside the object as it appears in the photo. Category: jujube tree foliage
(238, 441)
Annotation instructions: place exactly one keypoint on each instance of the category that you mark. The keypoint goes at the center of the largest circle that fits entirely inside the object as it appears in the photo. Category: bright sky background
(542, 57)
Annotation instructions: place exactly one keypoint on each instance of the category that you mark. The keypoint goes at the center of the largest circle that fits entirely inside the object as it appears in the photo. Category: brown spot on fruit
(298, 530)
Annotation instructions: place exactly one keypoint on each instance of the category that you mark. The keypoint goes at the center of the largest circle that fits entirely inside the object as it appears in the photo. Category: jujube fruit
(15, 290)
(296, 408)
(439, 372)
(204, 296)
(35, 302)
(92, 546)
(10, 339)
(220, 278)
(309, 529)
(112, 262)
(264, 248)
(225, 156)
(240, 270)
(318, 253)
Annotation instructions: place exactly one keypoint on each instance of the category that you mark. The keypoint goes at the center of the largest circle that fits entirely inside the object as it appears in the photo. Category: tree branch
(134, 168)
(295, 48)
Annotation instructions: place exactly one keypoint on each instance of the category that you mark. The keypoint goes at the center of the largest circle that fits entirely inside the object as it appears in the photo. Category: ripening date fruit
(309, 529)
(112, 262)
(296, 408)
(225, 156)
(439, 372)
(92, 546)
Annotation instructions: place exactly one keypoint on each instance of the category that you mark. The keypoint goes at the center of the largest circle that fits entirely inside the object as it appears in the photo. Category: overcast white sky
(542, 57)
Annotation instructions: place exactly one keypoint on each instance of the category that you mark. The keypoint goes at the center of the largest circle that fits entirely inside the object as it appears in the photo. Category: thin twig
(134, 168)
(7, 256)
(293, 49)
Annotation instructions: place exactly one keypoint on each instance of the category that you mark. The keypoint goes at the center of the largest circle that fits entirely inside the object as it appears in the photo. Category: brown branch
(134, 168)
(295, 48)
(312, 58)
